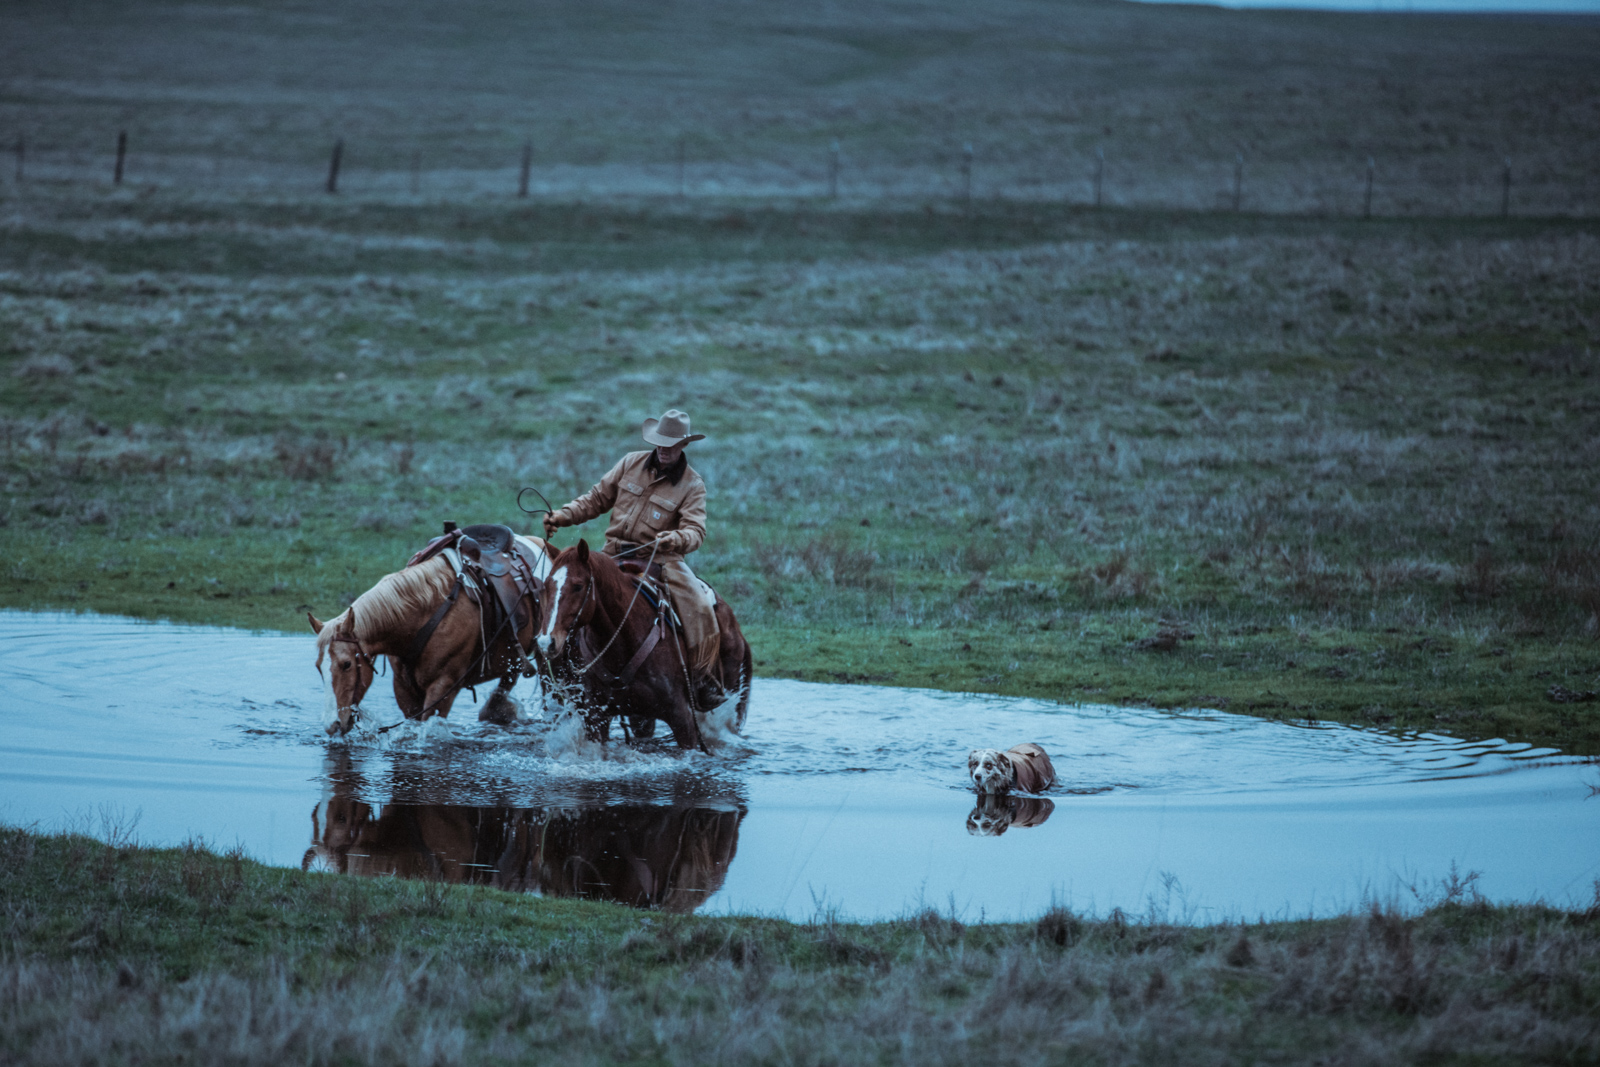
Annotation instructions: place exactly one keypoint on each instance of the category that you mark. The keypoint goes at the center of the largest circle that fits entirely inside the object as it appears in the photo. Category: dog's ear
(972, 760)
(1010, 766)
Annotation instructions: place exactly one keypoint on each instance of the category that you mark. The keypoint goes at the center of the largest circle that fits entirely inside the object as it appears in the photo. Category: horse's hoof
(499, 709)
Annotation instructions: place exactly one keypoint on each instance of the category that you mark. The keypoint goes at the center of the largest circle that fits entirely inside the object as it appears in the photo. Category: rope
(546, 510)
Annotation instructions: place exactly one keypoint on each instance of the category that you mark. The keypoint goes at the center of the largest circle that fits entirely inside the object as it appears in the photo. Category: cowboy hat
(672, 428)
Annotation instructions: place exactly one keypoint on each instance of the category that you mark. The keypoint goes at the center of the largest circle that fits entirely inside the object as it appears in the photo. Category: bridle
(361, 656)
(361, 653)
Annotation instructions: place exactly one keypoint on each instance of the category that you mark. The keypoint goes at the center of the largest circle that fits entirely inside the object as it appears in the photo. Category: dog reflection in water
(997, 813)
(668, 856)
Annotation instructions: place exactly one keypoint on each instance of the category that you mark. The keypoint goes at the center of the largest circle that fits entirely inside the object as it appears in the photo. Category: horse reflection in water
(666, 856)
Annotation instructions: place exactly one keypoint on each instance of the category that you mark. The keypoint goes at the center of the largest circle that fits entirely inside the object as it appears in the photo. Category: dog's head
(991, 770)
(991, 818)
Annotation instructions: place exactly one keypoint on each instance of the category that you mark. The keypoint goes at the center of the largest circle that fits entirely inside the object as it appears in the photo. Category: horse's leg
(448, 657)
(643, 726)
(407, 693)
(672, 698)
(685, 729)
(499, 709)
(439, 697)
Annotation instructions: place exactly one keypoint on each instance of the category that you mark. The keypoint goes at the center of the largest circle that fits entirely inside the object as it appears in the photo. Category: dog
(996, 814)
(1025, 768)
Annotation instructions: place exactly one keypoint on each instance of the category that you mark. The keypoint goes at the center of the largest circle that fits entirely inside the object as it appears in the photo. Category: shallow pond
(838, 797)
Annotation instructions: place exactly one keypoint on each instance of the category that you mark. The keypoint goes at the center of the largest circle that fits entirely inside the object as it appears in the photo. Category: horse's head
(350, 668)
(568, 600)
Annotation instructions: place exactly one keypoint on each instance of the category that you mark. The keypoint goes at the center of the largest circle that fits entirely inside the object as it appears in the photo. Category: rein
(638, 587)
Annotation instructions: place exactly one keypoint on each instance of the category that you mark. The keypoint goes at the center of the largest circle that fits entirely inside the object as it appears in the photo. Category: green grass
(1354, 463)
(117, 953)
(1001, 446)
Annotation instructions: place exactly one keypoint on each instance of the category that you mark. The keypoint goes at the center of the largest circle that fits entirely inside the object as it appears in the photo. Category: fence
(1369, 186)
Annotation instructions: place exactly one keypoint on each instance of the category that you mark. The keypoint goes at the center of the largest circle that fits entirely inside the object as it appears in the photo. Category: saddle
(494, 570)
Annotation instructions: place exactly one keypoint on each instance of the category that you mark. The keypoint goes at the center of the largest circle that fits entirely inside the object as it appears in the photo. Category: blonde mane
(396, 600)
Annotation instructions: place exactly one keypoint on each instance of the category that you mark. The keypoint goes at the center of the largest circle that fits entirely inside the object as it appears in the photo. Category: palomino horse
(631, 661)
(387, 620)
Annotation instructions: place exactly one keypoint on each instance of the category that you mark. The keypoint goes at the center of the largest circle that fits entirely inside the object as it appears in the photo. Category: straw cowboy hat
(672, 428)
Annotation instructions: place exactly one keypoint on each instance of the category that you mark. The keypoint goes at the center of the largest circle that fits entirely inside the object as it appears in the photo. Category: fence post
(1366, 208)
(1238, 179)
(683, 181)
(833, 171)
(966, 176)
(1099, 173)
(527, 166)
(122, 156)
(1505, 191)
(333, 165)
(22, 150)
(416, 173)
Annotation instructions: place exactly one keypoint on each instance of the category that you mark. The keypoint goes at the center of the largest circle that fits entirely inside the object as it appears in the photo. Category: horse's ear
(550, 550)
(316, 624)
(583, 552)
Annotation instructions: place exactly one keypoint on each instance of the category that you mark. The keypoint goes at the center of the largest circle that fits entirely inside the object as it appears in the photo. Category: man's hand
(550, 527)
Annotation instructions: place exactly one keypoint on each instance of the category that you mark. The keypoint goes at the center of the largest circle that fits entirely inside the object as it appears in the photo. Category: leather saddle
(490, 555)
(489, 545)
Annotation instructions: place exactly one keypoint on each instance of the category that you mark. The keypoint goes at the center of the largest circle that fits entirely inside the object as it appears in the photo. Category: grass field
(1354, 462)
(121, 954)
(1284, 460)
(248, 97)
(1290, 462)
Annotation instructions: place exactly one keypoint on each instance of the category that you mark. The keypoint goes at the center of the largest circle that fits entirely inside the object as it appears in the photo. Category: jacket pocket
(657, 513)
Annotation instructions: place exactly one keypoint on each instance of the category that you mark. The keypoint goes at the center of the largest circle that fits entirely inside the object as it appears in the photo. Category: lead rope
(638, 587)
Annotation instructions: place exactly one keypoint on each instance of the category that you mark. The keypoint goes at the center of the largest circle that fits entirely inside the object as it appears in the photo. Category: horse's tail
(746, 680)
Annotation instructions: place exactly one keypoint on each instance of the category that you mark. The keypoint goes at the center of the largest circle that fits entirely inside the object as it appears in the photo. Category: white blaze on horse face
(559, 580)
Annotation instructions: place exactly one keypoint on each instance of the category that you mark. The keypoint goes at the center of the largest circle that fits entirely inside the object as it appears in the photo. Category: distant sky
(1587, 7)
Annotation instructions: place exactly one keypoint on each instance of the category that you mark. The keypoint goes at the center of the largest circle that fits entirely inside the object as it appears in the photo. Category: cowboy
(658, 508)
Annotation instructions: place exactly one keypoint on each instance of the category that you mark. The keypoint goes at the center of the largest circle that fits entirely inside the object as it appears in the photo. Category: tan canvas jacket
(643, 505)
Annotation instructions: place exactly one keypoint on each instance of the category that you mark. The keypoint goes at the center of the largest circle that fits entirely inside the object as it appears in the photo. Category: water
(841, 797)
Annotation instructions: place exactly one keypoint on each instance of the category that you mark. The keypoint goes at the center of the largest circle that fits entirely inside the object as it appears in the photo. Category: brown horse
(598, 630)
(666, 856)
(386, 620)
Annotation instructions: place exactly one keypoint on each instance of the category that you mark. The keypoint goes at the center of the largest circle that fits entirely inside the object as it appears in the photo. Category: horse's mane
(392, 603)
(399, 597)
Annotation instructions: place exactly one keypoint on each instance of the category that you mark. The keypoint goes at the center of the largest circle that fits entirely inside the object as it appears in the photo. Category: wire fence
(1357, 187)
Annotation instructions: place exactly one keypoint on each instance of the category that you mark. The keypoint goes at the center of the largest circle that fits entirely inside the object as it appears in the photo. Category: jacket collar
(673, 474)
